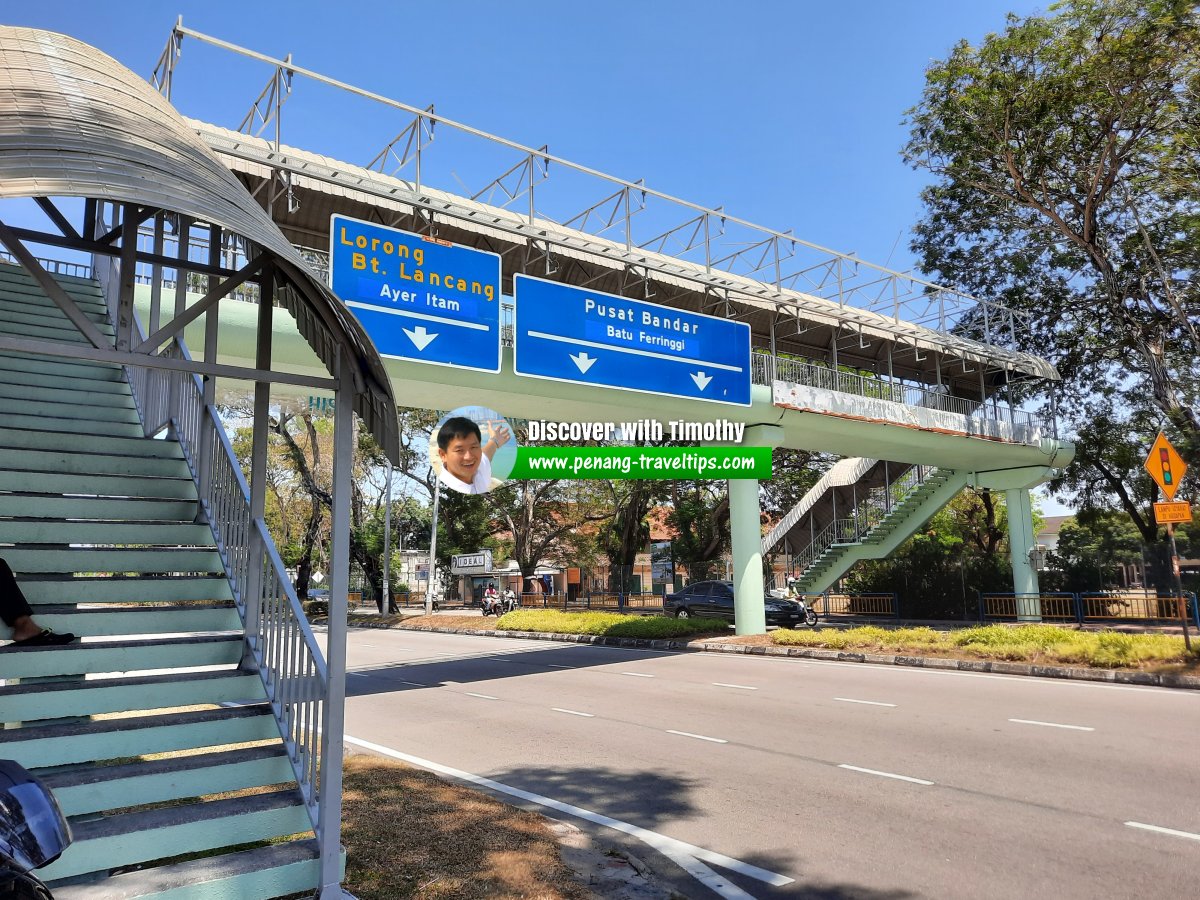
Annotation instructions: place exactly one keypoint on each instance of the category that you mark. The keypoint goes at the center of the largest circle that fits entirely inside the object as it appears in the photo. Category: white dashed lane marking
(865, 702)
(573, 712)
(1052, 724)
(1158, 828)
(699, 737)
(740, 687)
(885, 774)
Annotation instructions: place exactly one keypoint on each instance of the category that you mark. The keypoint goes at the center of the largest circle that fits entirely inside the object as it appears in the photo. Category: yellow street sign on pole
(1165, 466)
(1167, 513)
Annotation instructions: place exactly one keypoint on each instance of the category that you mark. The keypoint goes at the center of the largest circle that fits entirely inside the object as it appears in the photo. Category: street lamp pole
(385, 605)
(437, 491)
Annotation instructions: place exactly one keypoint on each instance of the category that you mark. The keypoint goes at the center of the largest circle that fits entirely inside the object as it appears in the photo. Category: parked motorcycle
(33, 833)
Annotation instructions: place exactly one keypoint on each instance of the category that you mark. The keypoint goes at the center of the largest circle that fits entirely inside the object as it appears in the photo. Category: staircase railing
(868, 514)
(278, 634)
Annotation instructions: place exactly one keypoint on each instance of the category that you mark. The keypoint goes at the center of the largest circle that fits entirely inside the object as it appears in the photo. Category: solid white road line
(688, 856)
(636, 674)
(885, 774)
(740, 687)
(1161, 830)
(865, 702)
(560, 666)
(1052, 724)
(698, 737)
(480, 696)
(573, 712)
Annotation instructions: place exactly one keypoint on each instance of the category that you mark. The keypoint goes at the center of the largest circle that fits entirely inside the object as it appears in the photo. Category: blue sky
(787, 114)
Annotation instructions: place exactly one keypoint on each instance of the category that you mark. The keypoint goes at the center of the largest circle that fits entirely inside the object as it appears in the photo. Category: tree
(1064, 152)
(700, 518)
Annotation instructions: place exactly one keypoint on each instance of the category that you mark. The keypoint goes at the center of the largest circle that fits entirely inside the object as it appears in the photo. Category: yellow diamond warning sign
(1165, 466)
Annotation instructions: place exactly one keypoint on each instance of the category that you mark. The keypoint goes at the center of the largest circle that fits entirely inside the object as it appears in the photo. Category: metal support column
(329, 819)
(385, 603)
(745, 527)
(210, 381)
(437, 492)
(1022, 543)
(258, 456)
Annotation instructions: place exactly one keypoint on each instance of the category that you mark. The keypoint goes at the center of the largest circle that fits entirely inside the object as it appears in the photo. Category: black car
(714, 600)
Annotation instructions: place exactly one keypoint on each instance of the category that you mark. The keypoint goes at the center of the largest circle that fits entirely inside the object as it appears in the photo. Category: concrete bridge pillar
(745, 527)
(1022, 542)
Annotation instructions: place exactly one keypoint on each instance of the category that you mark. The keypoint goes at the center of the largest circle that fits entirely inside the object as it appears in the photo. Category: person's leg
(14, 608)
(17, 614)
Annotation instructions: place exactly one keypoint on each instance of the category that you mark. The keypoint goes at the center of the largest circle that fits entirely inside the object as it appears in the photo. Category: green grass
(1024, 643)
(603, 623)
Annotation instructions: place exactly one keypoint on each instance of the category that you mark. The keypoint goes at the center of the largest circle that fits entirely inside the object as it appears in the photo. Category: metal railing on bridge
(1089, 608)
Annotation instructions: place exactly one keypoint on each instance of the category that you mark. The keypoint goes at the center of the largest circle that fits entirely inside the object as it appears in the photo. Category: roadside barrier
(831, 604)
(1104, 606)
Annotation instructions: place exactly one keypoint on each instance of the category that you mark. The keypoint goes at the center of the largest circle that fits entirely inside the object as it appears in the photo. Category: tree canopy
(1065, 152)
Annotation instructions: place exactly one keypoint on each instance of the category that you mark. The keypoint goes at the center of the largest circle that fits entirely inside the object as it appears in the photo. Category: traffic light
(1164, 459)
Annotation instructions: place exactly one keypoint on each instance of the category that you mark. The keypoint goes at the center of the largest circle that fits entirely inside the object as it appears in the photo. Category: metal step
(59, 699)
(18, 300)
(58, 590)
(62, 744)
(127, 486)
(72, 426)
(100, 788)
(121, 840)
(96, 657)
(85, 411)
(45, 531)
(65, 335)
(26, 559)
(60, 367)
(51, 507)
(66, 383)
(23, 314)
(53, 441)
(174, 619)
(54, 394)
(276, 871)
(86, 463)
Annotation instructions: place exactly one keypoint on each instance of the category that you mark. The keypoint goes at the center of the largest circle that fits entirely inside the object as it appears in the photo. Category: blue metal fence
(1106, 606)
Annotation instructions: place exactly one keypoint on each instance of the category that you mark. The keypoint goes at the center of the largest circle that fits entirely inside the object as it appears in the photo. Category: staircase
(876, 529)
(155, 733)
(860, 509)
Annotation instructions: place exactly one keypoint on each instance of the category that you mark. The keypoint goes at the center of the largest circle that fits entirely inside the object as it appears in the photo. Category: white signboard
(479, 563)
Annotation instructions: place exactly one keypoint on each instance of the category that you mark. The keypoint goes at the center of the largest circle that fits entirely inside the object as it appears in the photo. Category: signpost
(479, 563)
(1167, 468)
(567, 333)
(419, 299)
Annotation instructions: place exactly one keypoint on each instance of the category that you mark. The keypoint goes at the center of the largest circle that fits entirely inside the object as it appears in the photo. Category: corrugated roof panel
(75, 122)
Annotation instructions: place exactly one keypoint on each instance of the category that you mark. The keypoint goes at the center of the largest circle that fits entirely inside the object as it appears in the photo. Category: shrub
(603, 623)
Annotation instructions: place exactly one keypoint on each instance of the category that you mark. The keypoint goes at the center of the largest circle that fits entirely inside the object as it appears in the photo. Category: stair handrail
(279, 638)
(869, 513)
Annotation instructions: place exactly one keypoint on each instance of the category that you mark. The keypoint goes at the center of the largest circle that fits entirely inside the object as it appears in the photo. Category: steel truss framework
(802, 299)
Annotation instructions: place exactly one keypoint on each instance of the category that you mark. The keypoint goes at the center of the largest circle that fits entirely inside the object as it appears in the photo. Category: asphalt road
(851, 780)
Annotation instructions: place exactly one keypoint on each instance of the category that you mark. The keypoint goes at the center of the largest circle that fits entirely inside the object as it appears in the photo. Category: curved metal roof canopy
(74, 122)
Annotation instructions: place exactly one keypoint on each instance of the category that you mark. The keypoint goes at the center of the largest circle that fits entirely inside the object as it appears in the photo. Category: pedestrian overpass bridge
(835, 368)
(127, 515)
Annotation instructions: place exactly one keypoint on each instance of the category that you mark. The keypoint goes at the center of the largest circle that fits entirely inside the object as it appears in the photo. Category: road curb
(993, 667)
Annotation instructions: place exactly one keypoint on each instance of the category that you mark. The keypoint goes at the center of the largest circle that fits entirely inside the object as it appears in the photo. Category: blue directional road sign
(419, 299)
(566, 333)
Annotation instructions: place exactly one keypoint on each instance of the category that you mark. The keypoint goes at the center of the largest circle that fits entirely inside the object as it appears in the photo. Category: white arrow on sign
(583, 361)
(421, 337)
(701, 379)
